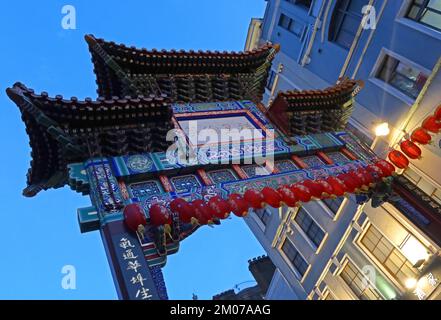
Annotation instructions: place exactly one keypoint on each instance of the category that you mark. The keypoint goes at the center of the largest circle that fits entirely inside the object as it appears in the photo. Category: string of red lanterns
(199, 212)
(421, 135)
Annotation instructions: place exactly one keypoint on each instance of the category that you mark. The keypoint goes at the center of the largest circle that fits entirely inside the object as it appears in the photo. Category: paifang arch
(114, 149)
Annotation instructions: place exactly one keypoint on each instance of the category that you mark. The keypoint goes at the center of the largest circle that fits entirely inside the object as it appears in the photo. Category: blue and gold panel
(355, 146)
(185, 184)
(285, 165)
(254, 170)
(313, 161)
(338, 157)
(205, 106)
(220, 176)
(145, 189)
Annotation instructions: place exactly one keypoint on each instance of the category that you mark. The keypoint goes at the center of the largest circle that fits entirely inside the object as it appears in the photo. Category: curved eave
(153, 62)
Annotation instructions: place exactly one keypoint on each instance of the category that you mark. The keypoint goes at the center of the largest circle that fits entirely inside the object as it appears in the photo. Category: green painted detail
(157, 262)
(78, 179)
(157, 161)
(119, 161)
(88, 219)
(115, 216)
(335, 139)
(385, 288)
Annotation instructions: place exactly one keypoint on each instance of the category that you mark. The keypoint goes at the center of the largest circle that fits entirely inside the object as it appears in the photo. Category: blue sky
(40, 235)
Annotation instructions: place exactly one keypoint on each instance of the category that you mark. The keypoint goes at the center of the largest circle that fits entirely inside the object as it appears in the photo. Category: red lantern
(438, 113)
(410, 149)
(288, 197)
(160, 215)
(254, 198)
(398, 159)
(421, 136)
(220, 207)
(272, 197)
(183, 208)
(238, 205)
(375, 170)
(386, 167)
(368, 178)
(202, 212)
(358, 178)
(316, 189)
(338, 186)
(348, 181)
(327, 188)
(134, 217)
(302, 193)
(432, 124)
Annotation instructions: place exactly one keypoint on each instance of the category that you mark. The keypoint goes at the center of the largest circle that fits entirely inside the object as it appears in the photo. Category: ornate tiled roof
(314, 111)
(62, 131)
(185, 76)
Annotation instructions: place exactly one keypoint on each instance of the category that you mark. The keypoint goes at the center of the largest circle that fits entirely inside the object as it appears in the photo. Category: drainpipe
(325, 19)
(354, 45)
(371, 35)
(306, 58)
(275, 83)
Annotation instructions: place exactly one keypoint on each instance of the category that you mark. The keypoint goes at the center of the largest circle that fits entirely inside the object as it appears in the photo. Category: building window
(294, 256)
(303, 3)
(292, 26)
(402, 76)
(328, 296)
(264, 215)
(426, 12)
(271, 79)
(388, 256)
(355, 279)
(308, 225)
(333, 204)
(345, 21)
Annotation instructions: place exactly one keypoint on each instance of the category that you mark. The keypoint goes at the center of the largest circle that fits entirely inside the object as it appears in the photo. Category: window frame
(347, 260)
(324, 201)
(311, 225)
(422, 11)
(335, 26)
(291, 23)
(358, 242)
(271, 80)
(389, 72)
(300, 4)
(293, 267)
(388, 88)
(410, 23)
(261, 214)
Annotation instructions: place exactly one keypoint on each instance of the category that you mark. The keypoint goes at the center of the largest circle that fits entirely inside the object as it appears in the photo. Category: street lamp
(411, 283)
(381, 130)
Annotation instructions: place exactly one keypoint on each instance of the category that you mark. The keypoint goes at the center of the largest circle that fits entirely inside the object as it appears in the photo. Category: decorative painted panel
(337, 157)
(219, 176)
(254, 170)
(285, 165)
(185, 184)
(105, 189)
(313, 161)
(145, 189)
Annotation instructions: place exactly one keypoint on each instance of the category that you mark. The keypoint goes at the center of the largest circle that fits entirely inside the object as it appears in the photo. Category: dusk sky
(40, 235)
